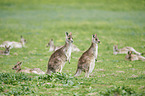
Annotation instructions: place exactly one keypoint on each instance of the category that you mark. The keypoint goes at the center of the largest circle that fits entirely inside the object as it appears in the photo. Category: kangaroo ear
(20, 63)
(5, 46)
(9, 47)
(70, 33)
(128, 52)
(66, 33)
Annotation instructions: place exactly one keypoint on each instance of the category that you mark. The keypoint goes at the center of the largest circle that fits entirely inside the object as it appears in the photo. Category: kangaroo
(60, 56)
(133, 57)
(18, 69)
(124, 50)
(54, 48)
(86, 62)
(14, 44)
(75, 48)
(6, 52)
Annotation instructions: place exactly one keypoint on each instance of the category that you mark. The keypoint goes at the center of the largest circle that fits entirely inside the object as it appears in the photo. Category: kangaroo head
(69, 38)
(23, 41)
(17, 66)
(130, 52)
(7, 49)
(95, 39)
(115, 48)
(51, 43)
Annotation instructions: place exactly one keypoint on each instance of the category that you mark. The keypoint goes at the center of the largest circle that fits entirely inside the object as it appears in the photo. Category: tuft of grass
(120, 91)
(13, 79)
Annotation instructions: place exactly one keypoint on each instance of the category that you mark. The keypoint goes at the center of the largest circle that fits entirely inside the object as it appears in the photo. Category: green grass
(115, 21)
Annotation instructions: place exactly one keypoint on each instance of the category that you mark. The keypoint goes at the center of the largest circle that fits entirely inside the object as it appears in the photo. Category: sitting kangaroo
(54, 48)
(60, 56)
(133, 57)
(17, 67)
(14, 44)
(86, 62)
(6, 52)
(124, 50)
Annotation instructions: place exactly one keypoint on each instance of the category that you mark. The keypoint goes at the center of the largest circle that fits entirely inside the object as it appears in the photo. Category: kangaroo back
(60, 56)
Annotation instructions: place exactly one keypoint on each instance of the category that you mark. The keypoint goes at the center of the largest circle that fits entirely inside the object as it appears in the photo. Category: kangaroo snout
(72, 41)
(99, 41)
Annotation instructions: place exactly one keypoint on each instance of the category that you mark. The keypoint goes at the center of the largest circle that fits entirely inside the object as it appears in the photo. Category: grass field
(120, 22)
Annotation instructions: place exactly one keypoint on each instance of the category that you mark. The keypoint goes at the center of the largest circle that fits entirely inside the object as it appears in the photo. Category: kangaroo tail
(78, 72)
(48, 72)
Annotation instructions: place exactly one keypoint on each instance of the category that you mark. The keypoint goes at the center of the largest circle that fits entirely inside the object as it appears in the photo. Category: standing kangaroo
(14, 44)
(124, 50)
(60, 56)
(54, 48)
(133, 57)
(86, 62)
(6, 52)
(18, 69)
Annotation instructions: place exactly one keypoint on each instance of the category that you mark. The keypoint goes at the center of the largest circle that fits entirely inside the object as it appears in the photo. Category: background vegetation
(118, 22)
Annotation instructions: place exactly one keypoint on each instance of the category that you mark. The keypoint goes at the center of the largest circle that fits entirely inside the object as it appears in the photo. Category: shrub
(13, 79)
(117, 91)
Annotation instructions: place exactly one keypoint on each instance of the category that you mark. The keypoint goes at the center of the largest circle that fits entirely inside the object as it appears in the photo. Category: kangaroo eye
(96, 39)
(69, 38)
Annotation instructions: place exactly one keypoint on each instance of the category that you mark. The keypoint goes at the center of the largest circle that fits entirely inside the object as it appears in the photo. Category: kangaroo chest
(68, 52)
(92, 65)
(96, 51)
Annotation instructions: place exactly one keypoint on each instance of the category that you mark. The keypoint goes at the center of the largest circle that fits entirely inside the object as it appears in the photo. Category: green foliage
(25, 84)
(13, 79)
(66, 80)
(117, 91)
(116, 22)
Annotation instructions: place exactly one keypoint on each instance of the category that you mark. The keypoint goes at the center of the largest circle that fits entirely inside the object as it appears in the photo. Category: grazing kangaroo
(124, 50)
(133, 57)
(14, 44)
(6, 52)
(86, 62)
(60, 56)
(54, 48)
(17, 67)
